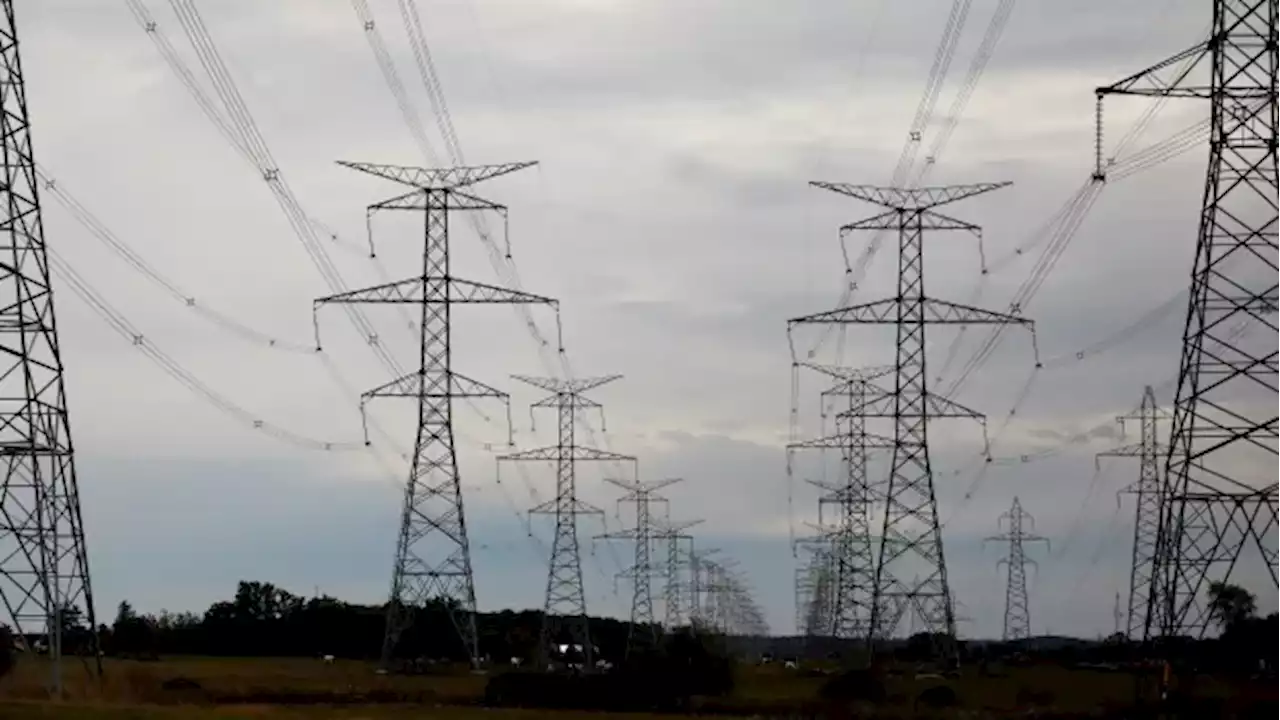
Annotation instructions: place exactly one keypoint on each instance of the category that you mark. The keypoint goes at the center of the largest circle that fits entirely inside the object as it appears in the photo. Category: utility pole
(44, 563)
(675, 590)
(1221, 489)
(1146, 517)
(433, 552)
(566, 601)
(910, 514)
(1017, 610)
(644, 630)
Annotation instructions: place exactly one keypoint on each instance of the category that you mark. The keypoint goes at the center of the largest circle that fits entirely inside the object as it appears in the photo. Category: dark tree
(8, 656)
(1231, 605)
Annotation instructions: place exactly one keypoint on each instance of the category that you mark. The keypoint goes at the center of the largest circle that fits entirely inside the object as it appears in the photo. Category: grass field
(289, 688)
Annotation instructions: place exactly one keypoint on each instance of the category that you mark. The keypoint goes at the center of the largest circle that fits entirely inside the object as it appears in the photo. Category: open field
(288, 688)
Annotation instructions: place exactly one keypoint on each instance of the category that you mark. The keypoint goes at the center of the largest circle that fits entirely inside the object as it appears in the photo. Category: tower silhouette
(44, 564)
(433, 552)
(1017, 608)
(910, 526)
(1148, 492)
(564, 614)
(1220, 468)
(643, 632)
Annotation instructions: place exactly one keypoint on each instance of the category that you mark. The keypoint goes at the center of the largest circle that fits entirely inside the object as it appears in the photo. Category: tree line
(262, 619)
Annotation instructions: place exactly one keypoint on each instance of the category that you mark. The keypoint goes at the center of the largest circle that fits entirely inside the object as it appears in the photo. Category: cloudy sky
(672, 218)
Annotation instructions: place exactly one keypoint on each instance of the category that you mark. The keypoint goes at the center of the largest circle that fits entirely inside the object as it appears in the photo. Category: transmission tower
(565, 611)
(677, 594)
(910, 519)
(433, 553)
(699, 575)
(1220, 468)
(1146, 519)
(643, 632)
(1017, 524)
(814, 588)
(44, 566)
(843, 551)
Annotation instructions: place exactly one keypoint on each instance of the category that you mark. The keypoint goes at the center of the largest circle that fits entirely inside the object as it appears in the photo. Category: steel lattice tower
(566, 600)
(1220, 468)
(675, 590)
(1017, 610)
(1147, 490)
(643, 632)
(44, 564)
(842, 550)
(910, 527)
(433, 553)
(814, 587)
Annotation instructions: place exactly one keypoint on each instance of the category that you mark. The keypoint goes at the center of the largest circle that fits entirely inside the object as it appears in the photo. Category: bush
(8, 656)
(938, 696)
(180, 684)
(687, 665)
(1028, 697)
(853, 686)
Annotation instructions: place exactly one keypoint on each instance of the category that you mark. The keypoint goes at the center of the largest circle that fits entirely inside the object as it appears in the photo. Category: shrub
(8, 656)
(938, 696)
(853, 685)
(1028, 697)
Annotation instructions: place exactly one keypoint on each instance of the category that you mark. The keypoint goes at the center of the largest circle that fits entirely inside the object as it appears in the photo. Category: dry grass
(240, 680)
(80, 711)
(298, 688)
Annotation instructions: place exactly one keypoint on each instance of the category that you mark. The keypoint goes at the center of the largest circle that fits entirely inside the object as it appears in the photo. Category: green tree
(1231, 605)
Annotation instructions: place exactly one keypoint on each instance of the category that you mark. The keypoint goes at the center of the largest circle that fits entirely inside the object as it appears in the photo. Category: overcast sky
(672, 218)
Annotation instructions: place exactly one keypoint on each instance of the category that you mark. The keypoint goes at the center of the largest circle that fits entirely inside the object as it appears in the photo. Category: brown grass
(297, 688)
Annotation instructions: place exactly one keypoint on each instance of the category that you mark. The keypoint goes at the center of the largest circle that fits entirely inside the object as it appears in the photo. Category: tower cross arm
(467, 291)
(571, 386)
(554, 506)
(419, 290)
(674, 530)
(924, 219)
(554, 452)
(1165, 78)
(880, 403)
(434, 383)
(841, 441)
(410, 290)
(932, 311)
(850, 375)
(420, 200)
(436, 178)
(922, 198)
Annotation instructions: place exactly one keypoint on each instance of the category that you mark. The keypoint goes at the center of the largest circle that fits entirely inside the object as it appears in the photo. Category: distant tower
(1017, 610)
(909, 506)
(1146, 517)
(44, 566)
(566, 601)
(644, 630)
(676, 591)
